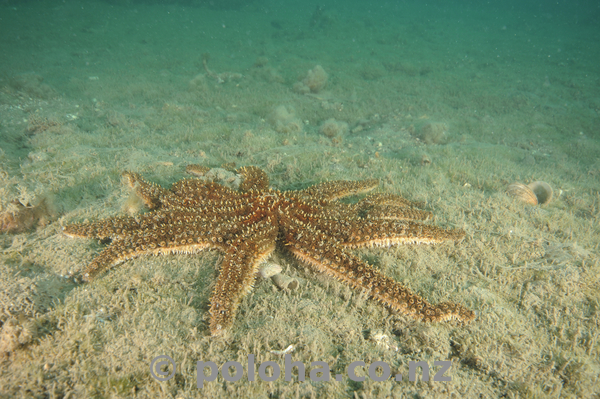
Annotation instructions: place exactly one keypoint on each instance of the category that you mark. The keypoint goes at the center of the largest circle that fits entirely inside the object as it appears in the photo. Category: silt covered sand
(446, 107)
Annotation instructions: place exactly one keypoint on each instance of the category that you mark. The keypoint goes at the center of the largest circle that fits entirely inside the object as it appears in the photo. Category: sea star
(246, 225)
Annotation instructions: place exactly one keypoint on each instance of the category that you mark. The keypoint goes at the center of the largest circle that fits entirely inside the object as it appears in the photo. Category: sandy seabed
(449, 124)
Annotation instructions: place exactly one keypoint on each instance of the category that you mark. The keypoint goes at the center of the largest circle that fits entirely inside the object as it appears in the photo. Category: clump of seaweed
(284, 120)
(14, 335)
(430, 132)
(314, 82)
(333, 128)
(19, 217)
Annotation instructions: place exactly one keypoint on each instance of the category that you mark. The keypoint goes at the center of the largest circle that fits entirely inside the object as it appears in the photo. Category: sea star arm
(368, 233)
(108, 228)
(157, 233)
(392, 212)
(254, 178)
(389, 206)
(317, 250)
(243, 255)
(194, 192)
(333, 190)
(358, 211)
(341, 224)
(387, 199)
(117, 252)
(153, 195)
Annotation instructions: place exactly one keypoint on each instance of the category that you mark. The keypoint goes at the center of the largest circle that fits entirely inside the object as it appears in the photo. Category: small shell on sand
(542, 191)
(382, 339)
(273, 270)
(269, 269)
(536, 193)
(285, 282)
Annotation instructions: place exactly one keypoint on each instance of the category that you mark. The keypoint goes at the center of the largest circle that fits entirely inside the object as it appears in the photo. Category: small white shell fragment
(285, 282)
(383, 340)
(287, 350)
(269, 269)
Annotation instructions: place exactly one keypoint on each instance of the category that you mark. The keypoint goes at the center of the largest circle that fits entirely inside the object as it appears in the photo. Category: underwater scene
(316, 199)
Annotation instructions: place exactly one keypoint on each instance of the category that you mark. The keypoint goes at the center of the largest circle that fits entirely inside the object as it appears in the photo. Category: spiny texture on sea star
(247, 224)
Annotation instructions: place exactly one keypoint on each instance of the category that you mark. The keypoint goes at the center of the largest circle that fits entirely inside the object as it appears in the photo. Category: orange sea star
(247, 224)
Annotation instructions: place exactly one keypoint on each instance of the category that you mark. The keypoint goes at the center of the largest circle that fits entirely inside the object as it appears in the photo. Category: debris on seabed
(287, 350)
